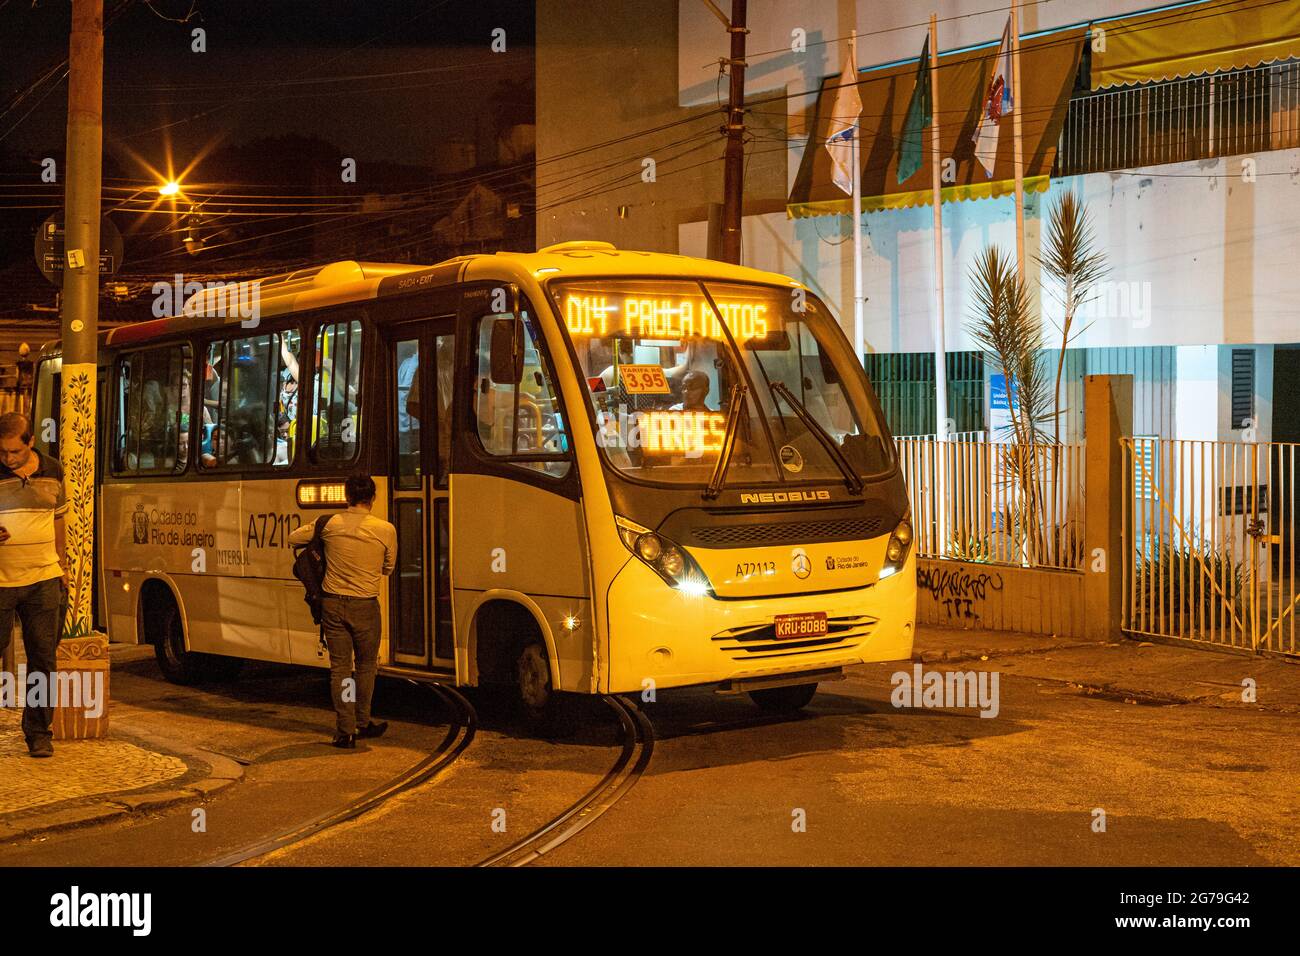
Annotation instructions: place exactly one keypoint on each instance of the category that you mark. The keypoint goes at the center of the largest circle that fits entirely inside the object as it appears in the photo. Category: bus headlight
(900, 542)
(667, 559)
(649, 547)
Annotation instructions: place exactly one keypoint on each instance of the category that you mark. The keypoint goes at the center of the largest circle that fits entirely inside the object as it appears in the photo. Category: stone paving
(79, 768)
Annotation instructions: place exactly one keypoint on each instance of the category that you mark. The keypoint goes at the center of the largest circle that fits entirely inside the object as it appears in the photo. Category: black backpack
(309, 568)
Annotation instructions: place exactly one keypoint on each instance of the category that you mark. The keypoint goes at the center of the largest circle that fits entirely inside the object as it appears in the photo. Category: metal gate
(1210, 543)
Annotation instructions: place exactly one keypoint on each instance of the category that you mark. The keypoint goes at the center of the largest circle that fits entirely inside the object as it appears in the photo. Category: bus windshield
(660, 358)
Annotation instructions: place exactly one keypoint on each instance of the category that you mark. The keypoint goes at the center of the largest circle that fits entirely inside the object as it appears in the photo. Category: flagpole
(940, 345)
(858, 332)
(1016, 108)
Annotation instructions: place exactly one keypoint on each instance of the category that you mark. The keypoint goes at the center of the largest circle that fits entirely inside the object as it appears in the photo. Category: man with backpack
(360, 550)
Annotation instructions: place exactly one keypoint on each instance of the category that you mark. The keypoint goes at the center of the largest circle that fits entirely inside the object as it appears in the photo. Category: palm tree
(1072, 260)
(1008, 328)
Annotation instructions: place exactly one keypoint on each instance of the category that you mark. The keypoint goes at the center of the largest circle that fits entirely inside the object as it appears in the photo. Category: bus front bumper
(660, 637)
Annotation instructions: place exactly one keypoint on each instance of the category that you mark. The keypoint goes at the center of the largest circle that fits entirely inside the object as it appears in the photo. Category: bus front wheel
(783, 700)
(533, 678)
(180, 666)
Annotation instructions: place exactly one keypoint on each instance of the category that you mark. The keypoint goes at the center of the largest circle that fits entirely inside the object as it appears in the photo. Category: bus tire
(533, 681)
(179, 666)
(541, 707)
(783, 700)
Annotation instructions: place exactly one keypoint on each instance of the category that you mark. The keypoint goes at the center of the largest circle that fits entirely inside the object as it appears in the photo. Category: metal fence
(904, 383)
(996, 502)
(1210, 545)
(1223, 114)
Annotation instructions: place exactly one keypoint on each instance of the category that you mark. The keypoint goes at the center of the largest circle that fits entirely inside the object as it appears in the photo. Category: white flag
(997, 104)
(845, 112)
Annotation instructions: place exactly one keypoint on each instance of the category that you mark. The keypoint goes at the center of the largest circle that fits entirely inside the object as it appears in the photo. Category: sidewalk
(90, 781)
(1137, 672)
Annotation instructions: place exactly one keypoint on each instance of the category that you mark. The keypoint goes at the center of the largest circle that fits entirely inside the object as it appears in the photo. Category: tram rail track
(633, 758)
(460, 733)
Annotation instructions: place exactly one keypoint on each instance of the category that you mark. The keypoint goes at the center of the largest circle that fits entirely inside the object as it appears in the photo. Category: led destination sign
(668, 432)
(664, 317)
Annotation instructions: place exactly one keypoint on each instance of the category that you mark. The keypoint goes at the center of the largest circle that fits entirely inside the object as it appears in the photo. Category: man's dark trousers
(37, 606)
(352, 627)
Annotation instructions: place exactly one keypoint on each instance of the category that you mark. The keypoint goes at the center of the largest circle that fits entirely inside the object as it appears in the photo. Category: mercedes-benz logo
(800, 564)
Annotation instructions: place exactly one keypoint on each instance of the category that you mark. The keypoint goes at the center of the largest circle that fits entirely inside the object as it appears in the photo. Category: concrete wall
(608, 72)
(999, 597)
(1195, 258)
(1197, 255)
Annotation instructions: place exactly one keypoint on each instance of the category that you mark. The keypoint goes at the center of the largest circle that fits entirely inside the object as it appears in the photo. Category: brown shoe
(345, 741)
(40, 748)
(375, 728)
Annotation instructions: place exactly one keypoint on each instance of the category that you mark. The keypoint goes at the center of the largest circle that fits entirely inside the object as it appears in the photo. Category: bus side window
(336, 385)
(242, 394)
(538, 427)
(152, 419)
(210, 420)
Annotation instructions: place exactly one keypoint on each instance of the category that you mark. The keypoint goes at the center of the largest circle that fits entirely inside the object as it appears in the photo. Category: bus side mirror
(506, 361)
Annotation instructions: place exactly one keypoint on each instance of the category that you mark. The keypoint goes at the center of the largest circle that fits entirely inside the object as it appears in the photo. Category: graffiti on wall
(959, 591)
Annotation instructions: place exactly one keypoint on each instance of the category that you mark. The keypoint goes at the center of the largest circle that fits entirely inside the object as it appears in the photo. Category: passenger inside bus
(287, 402)
(336, 380)
(184, 446)
(147, 442)
(695, 392)
(250, 406)
(246, 436)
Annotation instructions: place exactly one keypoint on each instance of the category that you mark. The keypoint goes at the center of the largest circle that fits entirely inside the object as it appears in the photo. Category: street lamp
(169, 188)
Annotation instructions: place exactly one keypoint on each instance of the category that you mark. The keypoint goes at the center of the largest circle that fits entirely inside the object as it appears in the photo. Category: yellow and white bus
(609, 471)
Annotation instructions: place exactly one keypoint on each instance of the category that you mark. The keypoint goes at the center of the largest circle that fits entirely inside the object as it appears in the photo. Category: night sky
(382, 81)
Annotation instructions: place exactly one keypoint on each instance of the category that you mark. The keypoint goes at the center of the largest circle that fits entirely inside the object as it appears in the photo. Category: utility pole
(81, 215)
(733, 170)
(1018, 150)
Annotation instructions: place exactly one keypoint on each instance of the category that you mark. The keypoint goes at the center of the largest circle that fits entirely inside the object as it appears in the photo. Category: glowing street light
(170, 188)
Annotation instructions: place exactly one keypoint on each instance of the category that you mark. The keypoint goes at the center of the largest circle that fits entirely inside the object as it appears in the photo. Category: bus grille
(758, 641)
(798, 531)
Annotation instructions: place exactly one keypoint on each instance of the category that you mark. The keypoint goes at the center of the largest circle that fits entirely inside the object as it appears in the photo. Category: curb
(223, 772)
(952, 657)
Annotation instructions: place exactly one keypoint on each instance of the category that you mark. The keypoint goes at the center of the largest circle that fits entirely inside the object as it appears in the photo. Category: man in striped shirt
(33, 582)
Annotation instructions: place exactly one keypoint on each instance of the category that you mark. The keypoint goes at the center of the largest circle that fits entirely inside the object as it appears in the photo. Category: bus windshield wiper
(851, 478)
(737, 402)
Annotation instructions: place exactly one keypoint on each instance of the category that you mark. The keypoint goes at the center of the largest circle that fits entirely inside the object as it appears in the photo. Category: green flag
(918, 118)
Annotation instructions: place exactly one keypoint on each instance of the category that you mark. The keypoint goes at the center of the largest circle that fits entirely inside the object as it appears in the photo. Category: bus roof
(340, 283)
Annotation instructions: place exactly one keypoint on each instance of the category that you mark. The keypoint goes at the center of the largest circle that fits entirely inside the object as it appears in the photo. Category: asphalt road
(852, 781)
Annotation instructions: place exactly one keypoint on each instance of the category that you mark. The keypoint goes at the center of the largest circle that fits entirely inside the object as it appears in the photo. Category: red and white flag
(997, 104)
